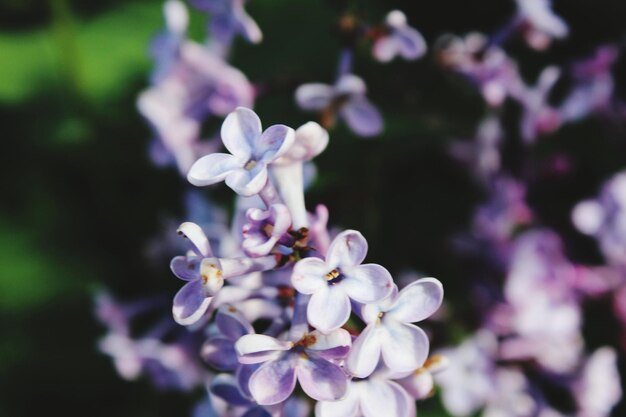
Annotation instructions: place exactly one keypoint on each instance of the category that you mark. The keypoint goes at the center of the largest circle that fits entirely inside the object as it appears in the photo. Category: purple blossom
(339, 278)
(539, 116)
(390, 335)
(399, 39)
(347, 99)
(228, 19)
(265, 228)
(251, 150)
(308, 360)
(599, 389)
(539, 23)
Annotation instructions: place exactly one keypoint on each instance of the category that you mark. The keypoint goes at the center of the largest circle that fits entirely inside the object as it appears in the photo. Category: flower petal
(411, 43)
(404, 346)
(321, 379)
(274, 142)
(314, 96)
(417, 301)
(385, 49)
(186, 267)
(225, 387)
(418, 384)
(385, 398)
(365, 352)
(350, 84)
(220, 354)
(334, 345)
(190, 303)
(329, 308)
(367, 283)
(345, 407)
(232, 323)
(311, 140)
(248, 183)
(308, 275)
(256, 348)
(274, 381)
(347, 249)
(362, 117)
(243, 374)
(240, 130)
(213, 168)
(197, 238)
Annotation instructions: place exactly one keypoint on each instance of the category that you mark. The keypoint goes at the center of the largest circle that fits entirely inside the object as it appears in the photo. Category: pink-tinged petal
(213, 168)
(350, 84)
(404, 347)
(347, 249)
(220, 354)
(367, 283)
(321, 379)
(248, 182)
(190, 303)
(365, 352)
(334, 345)
(186, 268)
(385, 49)
(274, 381)
(385, 398)
(240, 131)
(345, 407)
(256, 348)
(419, 384)
(311, 140)
(314, 96)
(232, 323)
(197, 238)
(417, 301)
(329, 308)
(308, 275)
(362, 117)
(274, 142)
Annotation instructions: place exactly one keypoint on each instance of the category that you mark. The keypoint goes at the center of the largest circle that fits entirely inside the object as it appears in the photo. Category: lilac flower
(511, 395)
(373, 397)
(347, 99)
(539, 116)
(539, 23)
(264, 229)
(483, 154)
(228, 19)
(338, 279)
(599, 389)
(165, 47)
(251, 150)
(219, 351)
(399, 39)
(389, 334)
(420, 384)
(307, 360)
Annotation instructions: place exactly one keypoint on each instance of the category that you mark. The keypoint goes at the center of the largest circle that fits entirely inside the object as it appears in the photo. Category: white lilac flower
(251, 150)
(599, 389)
(308, 360)
(511, 396)
(539, 23)
(399, 39)
(333, 282)
(390, 335)
(347, 99)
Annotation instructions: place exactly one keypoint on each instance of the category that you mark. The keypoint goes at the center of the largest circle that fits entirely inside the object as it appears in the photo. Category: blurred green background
(81, 201)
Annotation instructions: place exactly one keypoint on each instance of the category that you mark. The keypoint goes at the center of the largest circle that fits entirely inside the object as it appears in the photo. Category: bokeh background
(82, 203)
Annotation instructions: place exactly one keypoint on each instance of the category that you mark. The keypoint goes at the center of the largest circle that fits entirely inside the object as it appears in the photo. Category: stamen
(250, 165)
(332, 275)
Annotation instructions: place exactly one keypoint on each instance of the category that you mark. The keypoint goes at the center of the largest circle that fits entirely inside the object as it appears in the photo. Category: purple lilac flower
(229, 18)
(165, 48)
(390, 335)
(483, 154)
(265, 229)
(399, 39)
(539, 116)
(333, 282)
(599, 389)
(420, 384)
(511, 395)
(539, 23)
(347, 99)
(308, 360)
(251, 150)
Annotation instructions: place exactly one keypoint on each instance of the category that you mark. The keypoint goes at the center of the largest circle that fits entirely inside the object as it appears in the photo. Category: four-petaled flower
(400, 39)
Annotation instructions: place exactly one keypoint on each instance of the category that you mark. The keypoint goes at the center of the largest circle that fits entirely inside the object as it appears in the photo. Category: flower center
(250, 165)
(334, 277)
(306, 341)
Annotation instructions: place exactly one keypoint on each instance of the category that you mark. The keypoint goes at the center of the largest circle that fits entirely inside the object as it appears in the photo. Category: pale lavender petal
(213, 168)
(225, 387)
(345, 407)
(176, 16)
(232, 323)
(404, 346)
(347, 249)
(314, 96)
(365, 352)
(321, 379)
(419, 384)
(308, 275)
(274, 381)
(417, 301)
(240, 131)
(186, 268)
(256, 348)
(367, 283)
(386, 398)
(385, 49)
(248, 182)
(350, 85)
(329, 308)
(334, 345)
(362, 117)
(243, 374)
(311, 139)
(411, 43)
(190, 303)
(274, 142)
(249, 27)
(197, 238)
(220, 354)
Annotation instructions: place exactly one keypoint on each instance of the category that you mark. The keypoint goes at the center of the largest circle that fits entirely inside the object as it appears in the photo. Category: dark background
(80, 200)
